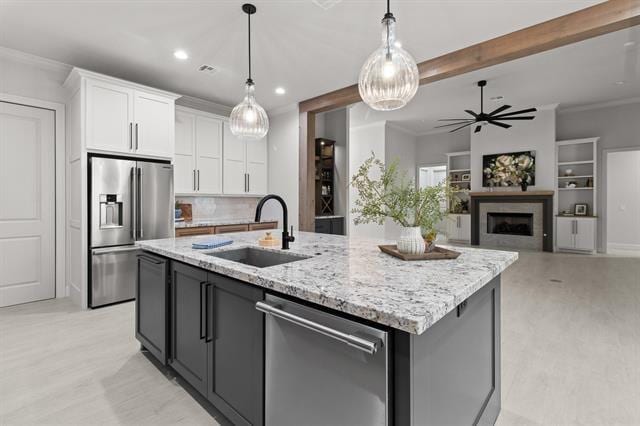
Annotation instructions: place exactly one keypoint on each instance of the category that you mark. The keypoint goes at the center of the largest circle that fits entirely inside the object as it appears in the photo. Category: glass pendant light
(389, 78)
(248, 119)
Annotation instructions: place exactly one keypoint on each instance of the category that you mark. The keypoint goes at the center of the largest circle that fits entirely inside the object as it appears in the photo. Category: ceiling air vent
(326, 4)
(207, 69)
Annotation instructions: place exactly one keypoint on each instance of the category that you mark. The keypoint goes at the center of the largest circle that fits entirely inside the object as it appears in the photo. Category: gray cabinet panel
(337, 226)
(189, 348)
(323, 226)
(152, 304)
(236, 352)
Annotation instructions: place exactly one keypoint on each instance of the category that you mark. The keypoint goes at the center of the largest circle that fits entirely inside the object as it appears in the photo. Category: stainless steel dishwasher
(321, 369)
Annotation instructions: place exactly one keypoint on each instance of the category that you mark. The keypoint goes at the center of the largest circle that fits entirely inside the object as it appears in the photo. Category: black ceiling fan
(494, 117)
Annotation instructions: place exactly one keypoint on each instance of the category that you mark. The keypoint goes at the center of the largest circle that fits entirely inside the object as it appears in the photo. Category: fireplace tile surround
(537, 203)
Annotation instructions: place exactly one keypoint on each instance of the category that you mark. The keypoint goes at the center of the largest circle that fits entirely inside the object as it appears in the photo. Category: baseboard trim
(624, 248)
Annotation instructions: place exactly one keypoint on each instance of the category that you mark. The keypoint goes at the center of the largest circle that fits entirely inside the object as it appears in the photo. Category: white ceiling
(579, 74)
(307, 46)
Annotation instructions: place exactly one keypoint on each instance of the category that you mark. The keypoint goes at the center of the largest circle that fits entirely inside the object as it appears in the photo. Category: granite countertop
(218, 222)
(335, 216)
(352, 275)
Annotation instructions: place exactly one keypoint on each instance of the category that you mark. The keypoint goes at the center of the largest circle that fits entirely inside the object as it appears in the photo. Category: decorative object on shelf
(580, 210)
(510, 169)
(248, 119)
(482, 118)
(394, 196)
(438, 253)
(464, 206)
(566, 212)
(389, 78)
(589, 183)
(568, 172)
(455, 177)
(570, 184)
(466, 177)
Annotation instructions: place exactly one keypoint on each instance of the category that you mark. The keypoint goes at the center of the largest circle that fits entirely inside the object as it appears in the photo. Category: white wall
(399, 145)
(362, 141)
(433, 148)
(623, 200)
(283, 166)
(536, 135)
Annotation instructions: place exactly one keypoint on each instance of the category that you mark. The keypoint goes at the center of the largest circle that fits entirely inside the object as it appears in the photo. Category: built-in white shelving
(576, 164)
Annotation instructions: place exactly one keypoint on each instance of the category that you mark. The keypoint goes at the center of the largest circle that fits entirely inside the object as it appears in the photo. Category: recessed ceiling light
(619, 83)
(181, 54)
(280, 91)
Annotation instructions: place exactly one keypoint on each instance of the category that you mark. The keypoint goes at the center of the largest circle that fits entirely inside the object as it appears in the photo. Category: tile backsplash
(221, 208)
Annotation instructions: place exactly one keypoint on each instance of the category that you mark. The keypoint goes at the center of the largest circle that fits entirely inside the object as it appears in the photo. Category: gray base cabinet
(217, 341)
(450, 374)
(152, 299)
(334, 225)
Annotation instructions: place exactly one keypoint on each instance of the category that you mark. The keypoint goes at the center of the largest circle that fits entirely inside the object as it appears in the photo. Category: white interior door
(27, 204)
(623, 201)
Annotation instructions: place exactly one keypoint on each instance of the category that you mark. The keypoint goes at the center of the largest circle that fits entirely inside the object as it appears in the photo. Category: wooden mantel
(511, 194)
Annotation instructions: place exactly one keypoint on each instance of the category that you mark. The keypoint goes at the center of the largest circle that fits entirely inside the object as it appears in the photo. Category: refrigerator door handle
(139, 209)
(109, 250)
(134, 233)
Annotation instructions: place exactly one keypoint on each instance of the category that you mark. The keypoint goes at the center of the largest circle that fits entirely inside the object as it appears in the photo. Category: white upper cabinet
(109, 124)
(245, 165)
(198, 156)
(153, 124)
(124, 118)
(184, 161)
(208, 155)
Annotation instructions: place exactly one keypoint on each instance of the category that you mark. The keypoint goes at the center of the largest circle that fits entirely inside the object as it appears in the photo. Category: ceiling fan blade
(478, 128)
(522, 111)
(497, 123)
(499, 110)
(462, 127)
(468, 111)
(455, 119)
(456, 124)
(529, 117)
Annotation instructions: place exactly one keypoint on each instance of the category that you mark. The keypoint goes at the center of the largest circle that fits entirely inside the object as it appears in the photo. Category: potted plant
(391, 195)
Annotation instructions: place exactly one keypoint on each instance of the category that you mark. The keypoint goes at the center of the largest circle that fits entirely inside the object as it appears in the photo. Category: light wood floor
(570, 354)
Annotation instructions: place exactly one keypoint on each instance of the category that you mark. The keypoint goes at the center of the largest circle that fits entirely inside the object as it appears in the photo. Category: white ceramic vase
(411, 241)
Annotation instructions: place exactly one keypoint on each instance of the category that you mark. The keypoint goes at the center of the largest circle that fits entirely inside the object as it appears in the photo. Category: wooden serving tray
(437, 253)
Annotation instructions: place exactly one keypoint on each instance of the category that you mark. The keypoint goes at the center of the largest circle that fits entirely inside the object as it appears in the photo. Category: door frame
(603, 194)
(60, 193)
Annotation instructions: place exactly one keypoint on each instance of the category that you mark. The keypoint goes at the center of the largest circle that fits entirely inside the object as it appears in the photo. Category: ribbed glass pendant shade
(389, 78)
(248, 119)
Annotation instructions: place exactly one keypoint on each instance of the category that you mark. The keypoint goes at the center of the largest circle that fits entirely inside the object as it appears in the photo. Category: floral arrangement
(393, 196)
(510, 169)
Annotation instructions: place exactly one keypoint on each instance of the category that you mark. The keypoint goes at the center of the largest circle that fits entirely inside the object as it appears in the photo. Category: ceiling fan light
(389, 77)
(248, 119)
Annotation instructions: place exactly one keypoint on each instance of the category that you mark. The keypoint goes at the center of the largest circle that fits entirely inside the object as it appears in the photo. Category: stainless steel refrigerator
(129, 200)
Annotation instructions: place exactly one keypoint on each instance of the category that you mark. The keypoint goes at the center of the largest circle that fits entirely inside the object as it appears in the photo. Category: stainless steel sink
(258, 257)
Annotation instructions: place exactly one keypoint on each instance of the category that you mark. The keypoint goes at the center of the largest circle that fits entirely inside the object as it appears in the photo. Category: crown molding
(38, 61)
(204, 105)
(599, 105)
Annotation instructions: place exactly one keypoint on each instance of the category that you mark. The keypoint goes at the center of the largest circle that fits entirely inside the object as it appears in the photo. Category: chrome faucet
(286, 237)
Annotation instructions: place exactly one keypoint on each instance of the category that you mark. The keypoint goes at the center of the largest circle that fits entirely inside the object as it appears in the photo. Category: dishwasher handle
(365, 345)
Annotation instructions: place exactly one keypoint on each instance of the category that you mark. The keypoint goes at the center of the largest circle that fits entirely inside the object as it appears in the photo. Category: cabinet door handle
(576, 227)
(130, 136)
(198, 172)
(194, 179)
(209, 329)
(203, 309)
(136, 136)
(248, 182)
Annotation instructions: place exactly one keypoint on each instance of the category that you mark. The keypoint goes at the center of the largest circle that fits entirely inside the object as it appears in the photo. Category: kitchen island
(424, 337)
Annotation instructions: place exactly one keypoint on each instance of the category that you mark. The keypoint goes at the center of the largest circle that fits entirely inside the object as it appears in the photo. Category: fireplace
(510, 223)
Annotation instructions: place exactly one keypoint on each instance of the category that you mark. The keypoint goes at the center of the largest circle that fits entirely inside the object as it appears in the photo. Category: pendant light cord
(249, 40)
